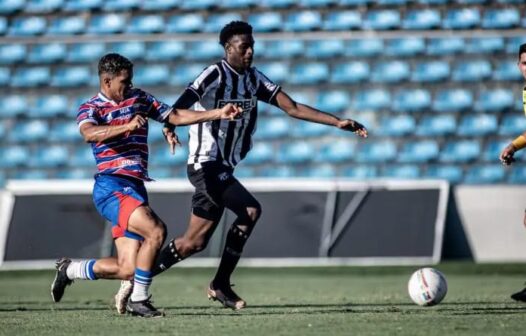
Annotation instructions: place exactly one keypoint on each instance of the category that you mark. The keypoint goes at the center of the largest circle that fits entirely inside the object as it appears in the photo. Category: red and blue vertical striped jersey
(126, 154)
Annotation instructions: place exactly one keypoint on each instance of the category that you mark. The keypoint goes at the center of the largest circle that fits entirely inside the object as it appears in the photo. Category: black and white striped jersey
(224, 140)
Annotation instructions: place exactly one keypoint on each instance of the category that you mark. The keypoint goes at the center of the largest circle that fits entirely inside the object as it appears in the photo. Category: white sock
(81, 270)
(142, 282)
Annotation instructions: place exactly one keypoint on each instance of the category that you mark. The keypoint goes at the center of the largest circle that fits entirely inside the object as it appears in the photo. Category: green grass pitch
(281, 301)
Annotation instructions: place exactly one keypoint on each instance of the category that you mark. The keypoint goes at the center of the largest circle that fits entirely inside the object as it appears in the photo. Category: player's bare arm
(305, 112)
(95, 133)
(187, 117)
(506, 156)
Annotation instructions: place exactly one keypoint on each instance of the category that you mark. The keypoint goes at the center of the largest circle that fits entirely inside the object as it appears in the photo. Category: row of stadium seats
(308, 20)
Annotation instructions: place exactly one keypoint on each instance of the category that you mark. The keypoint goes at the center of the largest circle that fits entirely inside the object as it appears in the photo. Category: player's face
(240, 51)
(522, 64)
(118, 86)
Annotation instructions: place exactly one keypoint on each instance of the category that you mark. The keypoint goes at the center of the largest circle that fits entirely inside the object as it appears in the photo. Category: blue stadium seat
(356, 2)
(492, 150)
(49, 157)
(161, 156)
(82, 5)
(5, 76)
(31, 131)
(185, 23)
(350, 72)
(374, 99)
(343, 20)
(14, 156)
(304, 129)
(390, 71)
(262, 152)
(317, 3)
(472, 71)
(512, 125)
(392, 2)
(506, 71)
(195, 5)
(411, 100)
(295, 153)
(155, 133)
(47, 53)
(325, 48)
(283, 49)
(245, 172)
(65, 132)
(183, 75)
(436, 125)
(214, 23)
(485, 45)
(149, 75)
(478, 125)
(13, 105)
(70, 25)
(49, 106)
(27, 26)
(461, 151)
(453, 100)
(336, 151)
(365, 47)
(496, 100)
(86, 52)
(146, 24)
(134, 50)
(445, 46)
(517, 175)
(319, 171)
(276, 171)
(277, 71)
(485, 174)
(238, 4)
(31, 77)
(453, 174)
(82, 157)
(31, 174)
(107, 24)
(12, 53)
(43, 6)
(463, 18)
(204, 50)
(505, 18)
(385, 19)
(3, 25)
(11, 6)
(277, 4)
(360, 172)
(405, 172)
(266, 22)
(309, 73)
(376, 152)
(272, 128)
(2, 130)
(303, 21)
(396, 125)
(419, 151)
(121, 5)
(333, 101)
(74, 174)
(430, 71)
(513, 44)
(401, 47)
(422, 19)
(164, 51)
(159, 5)
(71, 76)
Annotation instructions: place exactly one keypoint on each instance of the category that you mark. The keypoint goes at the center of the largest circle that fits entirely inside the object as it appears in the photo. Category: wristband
(519, 142)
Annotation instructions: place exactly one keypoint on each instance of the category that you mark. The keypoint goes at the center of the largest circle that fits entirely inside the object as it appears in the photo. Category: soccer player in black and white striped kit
(217, 147)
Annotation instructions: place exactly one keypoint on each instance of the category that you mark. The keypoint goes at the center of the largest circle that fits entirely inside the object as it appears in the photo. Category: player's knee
(254, 212)
(156, 236)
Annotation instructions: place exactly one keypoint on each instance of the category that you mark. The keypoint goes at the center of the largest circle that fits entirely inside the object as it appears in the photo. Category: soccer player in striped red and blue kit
(115, 122)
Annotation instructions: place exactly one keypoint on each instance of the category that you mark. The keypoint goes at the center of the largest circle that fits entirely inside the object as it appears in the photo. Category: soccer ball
(427, 287)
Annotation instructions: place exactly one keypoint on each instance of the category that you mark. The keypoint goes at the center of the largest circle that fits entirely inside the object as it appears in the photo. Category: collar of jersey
(230, 67)
(106, 99)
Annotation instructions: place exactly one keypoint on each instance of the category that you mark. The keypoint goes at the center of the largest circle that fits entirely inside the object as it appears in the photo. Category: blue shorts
(115, 198)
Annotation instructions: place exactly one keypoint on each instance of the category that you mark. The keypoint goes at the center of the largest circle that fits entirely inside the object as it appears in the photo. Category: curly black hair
(522, 49)
(113, 64)
(234, 28)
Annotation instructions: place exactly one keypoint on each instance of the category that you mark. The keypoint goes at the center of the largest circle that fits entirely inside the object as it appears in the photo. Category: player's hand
(353, 126)
(137, 122)
(171, 138)
(506, 156)
(230, 111)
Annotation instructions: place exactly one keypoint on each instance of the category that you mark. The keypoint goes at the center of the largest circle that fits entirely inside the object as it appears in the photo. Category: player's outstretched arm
(95, 133)
(506, 156)
(188, 117)
(305, 112)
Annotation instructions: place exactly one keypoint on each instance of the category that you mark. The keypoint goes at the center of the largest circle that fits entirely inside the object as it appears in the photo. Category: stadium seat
(67, 25)
(320, 171)
(82, 5)
(517, 175)
(453, 100)
(478, 125)
(283, 49)
(30, 77)
(30, 131)
(445, 46)
(238, 4)
(3, 25)
(485, 45)
(493, 148)
(2, 130)
(159, 5)
(374, 100)
(512, 125)
(276, 171)
(396, 125)
(146, 24)
(49, 157)
(505, 18)
(392, 2)
(43, 6)
(302, 129)
(8, 7)
(12, 53)
(5, 76)
(245, 172)
(472, 71)
(161, 156)
(295, 153)
(336, 152)
(204, 50)
(196, 5)
(418, 151)
(121, 5)
(401, 47)
(215, 22)
(405, 172)
(422, 19)
(430, 71)
(107, 24)
(86, 52)
(463, 18)
(356, 2)
(496, 100)
(309, 73)
(266, 22)
(513, 44)
(390, 72)
(350, 72)
(382, 19)
(82, 157)
(436, 125)
(185, 74)
(185, 23)
(277, 4)
(65, 132)
(376, 152)
(151, 75)
(454, 174)
(164, 51)
(506, 71)
(134, 50)
(27, 26)
(342, 20)
(71, 76)
(317, 3)
(303, 21)
(335, 101)
(460, 151)
(31, 174)
(14, 156)
(47, 53)
(365, 47)
(360, 172)
(484, 174)
(262, 152)
(13, 105)
(278, 72)
(325, 48)
(49, 106)
(272, 128)
(411, 100)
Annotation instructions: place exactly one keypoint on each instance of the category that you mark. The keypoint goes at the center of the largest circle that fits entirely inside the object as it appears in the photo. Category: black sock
(235, 241)
(168, 257)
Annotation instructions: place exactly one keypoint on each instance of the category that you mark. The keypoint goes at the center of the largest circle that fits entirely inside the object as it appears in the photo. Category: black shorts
(217, 188)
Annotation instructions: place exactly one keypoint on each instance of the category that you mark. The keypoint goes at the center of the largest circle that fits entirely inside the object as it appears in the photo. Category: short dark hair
(522, 49)
(234, 28)
(113, 64)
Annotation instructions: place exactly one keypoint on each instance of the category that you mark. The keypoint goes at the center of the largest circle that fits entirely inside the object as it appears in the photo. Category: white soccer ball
(427, 287)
